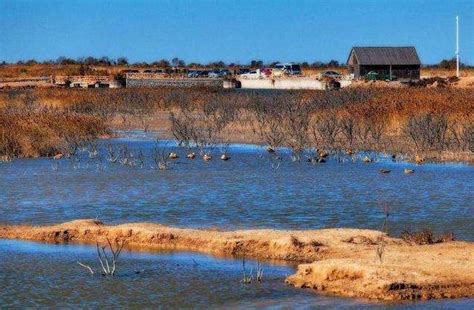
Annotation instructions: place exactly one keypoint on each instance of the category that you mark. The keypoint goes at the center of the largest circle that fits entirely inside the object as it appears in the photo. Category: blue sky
(233, 31)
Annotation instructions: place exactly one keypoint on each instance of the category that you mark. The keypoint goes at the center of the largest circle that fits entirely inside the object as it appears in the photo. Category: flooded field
(251, 190)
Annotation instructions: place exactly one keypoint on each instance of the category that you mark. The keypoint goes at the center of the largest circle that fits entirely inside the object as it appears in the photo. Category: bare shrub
(160, 155)
(108, 263)
(348, 128)
(428, 131)
(250, 277)
(325, 129)
(296, 116)
(461, 134)
(269, 121)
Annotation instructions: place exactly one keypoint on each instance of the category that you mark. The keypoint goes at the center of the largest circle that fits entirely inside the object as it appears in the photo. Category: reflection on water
(39, 275)
(246, 191)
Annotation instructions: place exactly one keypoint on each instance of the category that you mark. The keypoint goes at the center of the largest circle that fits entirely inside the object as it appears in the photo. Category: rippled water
(43, 276)
(248, 191)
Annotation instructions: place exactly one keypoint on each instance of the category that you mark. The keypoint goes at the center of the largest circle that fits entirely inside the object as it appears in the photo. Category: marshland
(351, 183)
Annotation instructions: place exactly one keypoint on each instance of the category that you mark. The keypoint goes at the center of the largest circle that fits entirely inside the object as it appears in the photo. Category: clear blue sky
(233, 31)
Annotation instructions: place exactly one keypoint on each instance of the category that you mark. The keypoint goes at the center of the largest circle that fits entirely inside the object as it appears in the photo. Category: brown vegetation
(25, 71)
(340, 261)
(431, 123)
(28, 129)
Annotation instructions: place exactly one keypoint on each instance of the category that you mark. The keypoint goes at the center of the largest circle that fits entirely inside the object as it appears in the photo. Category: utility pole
(457, 46)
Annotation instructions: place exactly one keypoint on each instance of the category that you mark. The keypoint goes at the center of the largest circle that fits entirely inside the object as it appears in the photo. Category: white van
(288, 68)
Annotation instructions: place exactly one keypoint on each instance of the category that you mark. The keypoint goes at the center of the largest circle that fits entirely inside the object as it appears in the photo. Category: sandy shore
(338, 261)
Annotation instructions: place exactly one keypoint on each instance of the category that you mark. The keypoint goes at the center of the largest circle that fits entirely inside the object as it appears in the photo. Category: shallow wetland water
(251, 190)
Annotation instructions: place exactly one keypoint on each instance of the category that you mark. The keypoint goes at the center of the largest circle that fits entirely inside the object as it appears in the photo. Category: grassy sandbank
(339, 261)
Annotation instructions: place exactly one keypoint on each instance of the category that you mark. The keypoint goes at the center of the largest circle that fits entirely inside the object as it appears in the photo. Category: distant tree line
(177, 62)
(163, 63)
(449, 64)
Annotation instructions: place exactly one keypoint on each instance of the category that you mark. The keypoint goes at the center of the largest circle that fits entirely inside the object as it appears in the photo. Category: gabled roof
(405, 55)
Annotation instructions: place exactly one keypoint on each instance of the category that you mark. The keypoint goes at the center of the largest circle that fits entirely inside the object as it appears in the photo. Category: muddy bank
(339, 261)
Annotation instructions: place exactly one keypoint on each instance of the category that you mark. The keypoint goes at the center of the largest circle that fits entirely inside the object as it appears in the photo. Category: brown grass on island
(338, 261)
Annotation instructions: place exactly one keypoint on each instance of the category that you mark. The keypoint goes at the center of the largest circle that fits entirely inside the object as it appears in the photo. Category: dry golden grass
(45, 133)
(25, 71)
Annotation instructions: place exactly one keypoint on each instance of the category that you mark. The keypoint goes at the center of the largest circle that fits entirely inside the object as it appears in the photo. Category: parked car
(286, 69)
(266, 72)
(243, 71)
(214, 74)
(330, 74)
(252, 74)
(203, 73)
(218, 73)
(192, 73)
(225, 72)
(293, 69)
(198, 73)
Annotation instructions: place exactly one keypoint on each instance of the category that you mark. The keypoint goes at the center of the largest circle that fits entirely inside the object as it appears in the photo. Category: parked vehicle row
(277, 71)
(217, 73)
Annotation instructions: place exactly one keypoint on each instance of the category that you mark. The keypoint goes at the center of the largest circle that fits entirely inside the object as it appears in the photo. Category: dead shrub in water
(325, 129)
(425, 236)
(269, 121)
(348, 127)
(250, 277)
(427, 132)
(296, 117)
(108, 265)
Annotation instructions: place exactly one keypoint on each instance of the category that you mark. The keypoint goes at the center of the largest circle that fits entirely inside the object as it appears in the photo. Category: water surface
(37, 275)
(251, 190)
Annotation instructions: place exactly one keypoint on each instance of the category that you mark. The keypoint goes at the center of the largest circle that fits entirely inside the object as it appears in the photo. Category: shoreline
(340, 261)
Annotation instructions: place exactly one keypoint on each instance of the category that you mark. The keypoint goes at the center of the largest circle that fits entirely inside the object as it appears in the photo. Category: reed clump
(46, 133)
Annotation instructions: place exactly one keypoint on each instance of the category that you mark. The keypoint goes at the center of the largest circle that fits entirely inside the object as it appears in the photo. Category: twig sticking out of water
(249, 278)
(108, 265)
(110, 268)
(87, 267)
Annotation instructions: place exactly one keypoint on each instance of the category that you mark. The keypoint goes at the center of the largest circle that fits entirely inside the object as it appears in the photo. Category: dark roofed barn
(401, 63)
